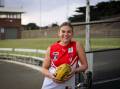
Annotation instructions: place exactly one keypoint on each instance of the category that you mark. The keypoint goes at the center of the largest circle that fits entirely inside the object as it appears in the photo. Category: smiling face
(65, 33)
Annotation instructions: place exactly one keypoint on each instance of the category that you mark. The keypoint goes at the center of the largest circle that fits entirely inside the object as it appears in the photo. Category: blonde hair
(67, 24)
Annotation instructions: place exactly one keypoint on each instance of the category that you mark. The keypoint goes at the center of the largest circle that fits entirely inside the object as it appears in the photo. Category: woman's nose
(66, 33)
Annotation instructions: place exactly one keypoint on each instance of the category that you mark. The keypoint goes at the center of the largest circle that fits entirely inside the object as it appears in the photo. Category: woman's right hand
(56, 80)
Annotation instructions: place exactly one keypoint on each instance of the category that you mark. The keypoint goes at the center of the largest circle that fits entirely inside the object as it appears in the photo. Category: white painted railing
(29, 50)
(6, 49)
(9, 53)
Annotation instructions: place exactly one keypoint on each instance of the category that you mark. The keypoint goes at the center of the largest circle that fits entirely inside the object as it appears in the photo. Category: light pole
(87, 41)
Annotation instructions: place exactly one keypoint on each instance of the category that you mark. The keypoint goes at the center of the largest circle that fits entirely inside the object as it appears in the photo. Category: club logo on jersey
(70, 50)
(70, 53)
(55, 55)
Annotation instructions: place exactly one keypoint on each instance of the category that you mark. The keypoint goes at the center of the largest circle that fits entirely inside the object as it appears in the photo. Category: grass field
(43, 43)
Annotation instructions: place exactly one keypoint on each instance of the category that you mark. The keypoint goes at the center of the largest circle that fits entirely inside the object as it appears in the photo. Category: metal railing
(22, 55)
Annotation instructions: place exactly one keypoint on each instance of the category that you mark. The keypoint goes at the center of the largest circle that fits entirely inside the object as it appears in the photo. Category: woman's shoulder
(54, 44)
(76, 42)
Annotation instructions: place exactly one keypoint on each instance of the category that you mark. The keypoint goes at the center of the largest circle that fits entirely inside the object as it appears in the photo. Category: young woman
(63, 51)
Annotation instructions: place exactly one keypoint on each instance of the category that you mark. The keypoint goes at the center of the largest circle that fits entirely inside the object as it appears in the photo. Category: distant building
(10, 23)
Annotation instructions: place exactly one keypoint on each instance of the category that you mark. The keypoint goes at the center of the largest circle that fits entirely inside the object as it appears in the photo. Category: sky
(47, 12)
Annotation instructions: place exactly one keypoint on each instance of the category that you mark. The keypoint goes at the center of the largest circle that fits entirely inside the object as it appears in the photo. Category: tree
(54, 25)
(32, 26)
(100, 11)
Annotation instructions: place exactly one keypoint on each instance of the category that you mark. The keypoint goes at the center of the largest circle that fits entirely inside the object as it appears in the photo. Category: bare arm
(46, 64)
(82, 58)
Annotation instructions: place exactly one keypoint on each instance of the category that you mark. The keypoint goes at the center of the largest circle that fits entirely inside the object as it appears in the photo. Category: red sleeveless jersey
(63, 54)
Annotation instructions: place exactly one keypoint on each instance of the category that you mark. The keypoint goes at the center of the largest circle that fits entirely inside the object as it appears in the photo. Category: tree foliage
(97, 12)
(32, 26)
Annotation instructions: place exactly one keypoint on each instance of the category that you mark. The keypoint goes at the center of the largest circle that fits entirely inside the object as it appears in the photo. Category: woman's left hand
(69, 76)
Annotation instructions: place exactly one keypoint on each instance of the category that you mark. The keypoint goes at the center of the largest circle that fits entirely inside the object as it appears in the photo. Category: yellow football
(62, 71)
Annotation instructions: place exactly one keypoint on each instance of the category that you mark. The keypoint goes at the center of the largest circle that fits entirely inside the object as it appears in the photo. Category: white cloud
(52, 11)
(56, 15)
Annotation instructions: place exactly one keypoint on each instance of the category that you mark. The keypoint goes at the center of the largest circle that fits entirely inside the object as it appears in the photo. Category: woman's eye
(69, 31)
(66, 31)
(63, 31)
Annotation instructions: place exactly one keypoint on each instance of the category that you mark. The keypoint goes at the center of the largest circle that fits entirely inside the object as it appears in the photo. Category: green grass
(105, 43)
(43, 43)
(40, 43)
